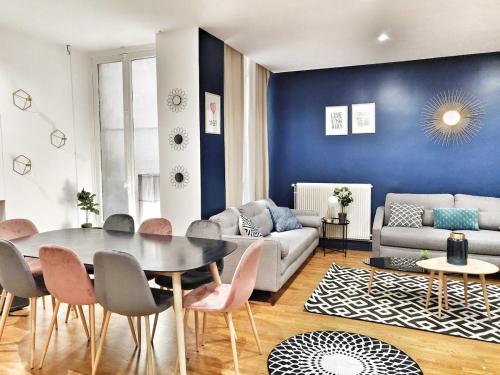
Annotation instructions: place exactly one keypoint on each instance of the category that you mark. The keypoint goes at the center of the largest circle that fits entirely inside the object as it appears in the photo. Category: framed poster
(212, 113)
(363, 118)
(336, 120)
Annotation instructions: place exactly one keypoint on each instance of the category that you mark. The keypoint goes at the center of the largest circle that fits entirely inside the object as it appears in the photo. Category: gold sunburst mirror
(452, 117)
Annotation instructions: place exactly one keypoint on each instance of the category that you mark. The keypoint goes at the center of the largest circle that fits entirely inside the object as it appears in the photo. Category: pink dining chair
(225, 298)
(67, 281)
(18, 228)
(158, 226)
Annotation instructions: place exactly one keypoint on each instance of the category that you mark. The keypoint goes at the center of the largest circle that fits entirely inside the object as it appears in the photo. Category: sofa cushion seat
(427, 238)
(294, 242)
(485, 242)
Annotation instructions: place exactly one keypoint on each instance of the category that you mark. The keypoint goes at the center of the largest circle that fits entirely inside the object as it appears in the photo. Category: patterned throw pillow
(284, 219)
(248, 228)
(456, 218)
(406, 215)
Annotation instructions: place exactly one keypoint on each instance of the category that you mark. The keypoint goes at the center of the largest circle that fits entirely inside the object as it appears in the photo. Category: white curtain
(233, 125)
(255, 151)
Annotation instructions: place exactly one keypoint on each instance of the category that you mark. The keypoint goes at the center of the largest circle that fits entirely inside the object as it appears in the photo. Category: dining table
(162, 255)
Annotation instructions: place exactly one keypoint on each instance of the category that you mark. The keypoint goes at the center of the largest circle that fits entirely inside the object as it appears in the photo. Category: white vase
(333, 206)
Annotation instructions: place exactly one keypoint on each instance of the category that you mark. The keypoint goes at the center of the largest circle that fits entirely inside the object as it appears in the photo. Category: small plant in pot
(344, 195)
(87, 204)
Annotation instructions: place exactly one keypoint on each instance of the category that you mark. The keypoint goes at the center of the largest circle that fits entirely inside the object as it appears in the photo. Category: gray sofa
(283, 253)
(398, 241)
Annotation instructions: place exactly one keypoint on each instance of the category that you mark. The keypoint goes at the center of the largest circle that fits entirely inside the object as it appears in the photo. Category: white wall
(177, 67)
(47, 194)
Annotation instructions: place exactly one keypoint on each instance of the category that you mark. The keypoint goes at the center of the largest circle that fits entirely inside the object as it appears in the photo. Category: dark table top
(404, 264)
(154, 253)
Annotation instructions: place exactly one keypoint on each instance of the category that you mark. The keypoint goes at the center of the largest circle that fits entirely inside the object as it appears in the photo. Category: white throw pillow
(248, 228)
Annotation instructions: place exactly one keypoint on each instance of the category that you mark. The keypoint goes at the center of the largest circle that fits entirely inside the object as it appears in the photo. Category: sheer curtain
(255, 152)
(233, 125)
(245, 129)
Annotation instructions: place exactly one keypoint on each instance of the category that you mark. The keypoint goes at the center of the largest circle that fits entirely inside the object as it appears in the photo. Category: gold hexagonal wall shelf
(58, 138)
(21, 99)
(21, 165)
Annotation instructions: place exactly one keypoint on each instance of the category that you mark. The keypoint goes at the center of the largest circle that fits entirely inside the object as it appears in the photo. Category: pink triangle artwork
(212, 113)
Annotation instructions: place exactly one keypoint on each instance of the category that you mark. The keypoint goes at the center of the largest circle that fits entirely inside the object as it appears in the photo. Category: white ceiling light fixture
(383, 38)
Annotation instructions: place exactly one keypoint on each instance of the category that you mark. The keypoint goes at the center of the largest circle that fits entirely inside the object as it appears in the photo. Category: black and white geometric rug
(338, 353)
(399, 300)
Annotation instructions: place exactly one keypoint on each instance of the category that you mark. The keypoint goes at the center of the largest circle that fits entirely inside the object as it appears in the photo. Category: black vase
(342, 217)
(457, 249)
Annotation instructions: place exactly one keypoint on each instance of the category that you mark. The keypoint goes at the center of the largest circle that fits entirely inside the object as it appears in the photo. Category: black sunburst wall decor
(179, 177)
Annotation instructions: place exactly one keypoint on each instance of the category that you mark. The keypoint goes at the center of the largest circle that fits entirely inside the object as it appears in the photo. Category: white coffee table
(441, 265)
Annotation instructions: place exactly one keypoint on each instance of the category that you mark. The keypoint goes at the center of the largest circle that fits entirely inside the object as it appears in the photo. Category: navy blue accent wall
(213, 192)
(399, 157)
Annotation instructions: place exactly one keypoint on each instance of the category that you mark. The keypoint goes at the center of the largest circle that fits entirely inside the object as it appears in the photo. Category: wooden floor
(70, 354)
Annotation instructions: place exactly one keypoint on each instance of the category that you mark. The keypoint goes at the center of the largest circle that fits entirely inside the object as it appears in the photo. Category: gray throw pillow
(284, 219)
(406, 215)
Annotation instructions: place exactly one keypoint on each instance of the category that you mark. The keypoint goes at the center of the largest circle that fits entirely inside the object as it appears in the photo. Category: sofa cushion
(284, 219)
(428, 201)
(485, 242)
(456, 218)
(406, 215)
(228, 221)
(259, 214)
(248, 228)
(294, 242)
(488, 207)
(427, 238)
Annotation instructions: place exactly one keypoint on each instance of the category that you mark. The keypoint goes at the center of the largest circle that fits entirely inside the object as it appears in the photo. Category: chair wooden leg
(196, 330)
(429, 289)
(104, 312)
(149, 346)
(254, 327)
(53, 300)
(33, 330)
(5, 313)
(49, 334)
(84, 322)
(43, 302)
(233, 343)
(132, 329)
(227, 325)
(2, 299)
(104, 331)
(92, 333)
(204, 329)
(67, 314)
(139, 327)
(154, 327)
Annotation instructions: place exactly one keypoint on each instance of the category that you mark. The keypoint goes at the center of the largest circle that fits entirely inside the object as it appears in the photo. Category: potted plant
(344, 195)
(87, 204)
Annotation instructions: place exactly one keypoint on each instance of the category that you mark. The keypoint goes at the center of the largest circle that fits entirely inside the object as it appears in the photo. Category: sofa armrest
(378, 223)
(269, 268)
(308, 218)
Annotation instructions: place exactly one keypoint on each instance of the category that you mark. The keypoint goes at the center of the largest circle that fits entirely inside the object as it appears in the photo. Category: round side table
(334, 222)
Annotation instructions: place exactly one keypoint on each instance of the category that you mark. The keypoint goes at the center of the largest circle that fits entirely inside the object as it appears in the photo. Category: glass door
(129, 137)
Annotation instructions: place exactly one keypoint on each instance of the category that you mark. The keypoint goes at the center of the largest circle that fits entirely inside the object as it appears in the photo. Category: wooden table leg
(370, 281)
(485, 294)
(466, 281)
(440, 293)
(429, 288)
(181, 349)
(445, 287)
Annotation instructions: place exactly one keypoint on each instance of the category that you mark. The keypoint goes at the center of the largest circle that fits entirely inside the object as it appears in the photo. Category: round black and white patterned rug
(338, 353)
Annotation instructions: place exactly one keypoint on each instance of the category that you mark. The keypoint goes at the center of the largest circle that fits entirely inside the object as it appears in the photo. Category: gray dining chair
(195, 278)
(18, 280)
(120, 223)
(122, 288)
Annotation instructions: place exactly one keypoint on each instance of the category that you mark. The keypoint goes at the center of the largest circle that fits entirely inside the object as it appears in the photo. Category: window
(128, 125)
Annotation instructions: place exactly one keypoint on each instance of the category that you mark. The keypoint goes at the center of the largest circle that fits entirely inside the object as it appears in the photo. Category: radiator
(314, 196)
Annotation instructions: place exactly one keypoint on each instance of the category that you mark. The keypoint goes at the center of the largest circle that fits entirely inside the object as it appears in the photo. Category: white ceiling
(282, 35)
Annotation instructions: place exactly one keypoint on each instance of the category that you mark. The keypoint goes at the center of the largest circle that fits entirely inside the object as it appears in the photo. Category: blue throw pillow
(284, 219)
(456, 218)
